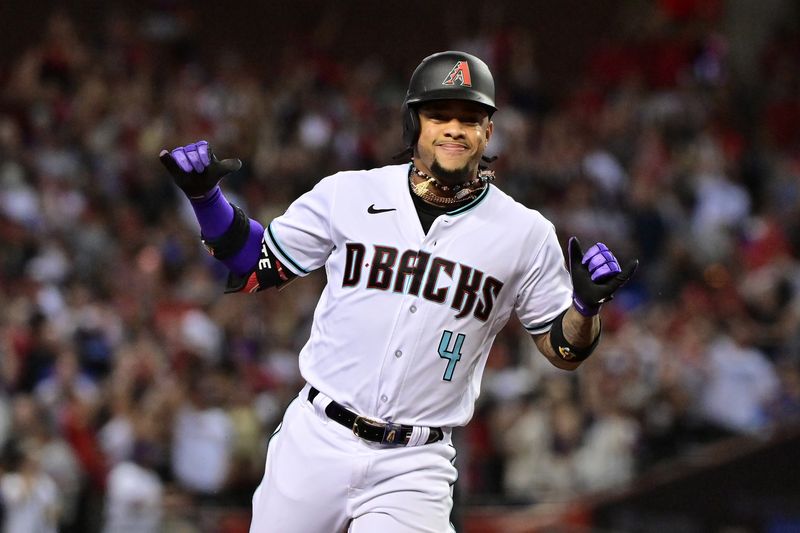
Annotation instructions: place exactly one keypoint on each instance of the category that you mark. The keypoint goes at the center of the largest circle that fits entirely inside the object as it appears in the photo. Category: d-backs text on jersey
(413, 271)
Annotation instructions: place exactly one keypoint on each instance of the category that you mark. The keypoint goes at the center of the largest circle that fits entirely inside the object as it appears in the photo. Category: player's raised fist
(596, 275)
(195, 168)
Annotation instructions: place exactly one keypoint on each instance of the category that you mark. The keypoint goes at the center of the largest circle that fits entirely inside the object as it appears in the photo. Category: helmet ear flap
(410, 126)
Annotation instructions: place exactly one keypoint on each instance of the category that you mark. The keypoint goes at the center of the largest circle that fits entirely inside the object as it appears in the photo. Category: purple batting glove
(596, 276)
(195, 168)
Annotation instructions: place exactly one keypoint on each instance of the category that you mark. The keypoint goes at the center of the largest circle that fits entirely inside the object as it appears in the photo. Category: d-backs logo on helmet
(459, 73)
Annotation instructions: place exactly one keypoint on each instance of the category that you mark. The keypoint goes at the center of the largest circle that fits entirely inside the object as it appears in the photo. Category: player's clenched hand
(195, 168)
(596, 275)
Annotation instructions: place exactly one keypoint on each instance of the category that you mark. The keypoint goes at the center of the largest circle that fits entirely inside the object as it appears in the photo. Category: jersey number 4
(453, 355)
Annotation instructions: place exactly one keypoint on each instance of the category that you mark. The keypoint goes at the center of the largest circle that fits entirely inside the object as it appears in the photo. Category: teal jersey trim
(474, 203)
(283, 252)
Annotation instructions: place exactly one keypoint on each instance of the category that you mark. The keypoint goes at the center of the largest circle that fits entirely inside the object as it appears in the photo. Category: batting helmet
(446, 76)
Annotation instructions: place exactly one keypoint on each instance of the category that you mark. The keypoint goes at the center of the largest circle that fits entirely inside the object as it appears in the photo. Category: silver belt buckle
(368, 421)
(391, 432)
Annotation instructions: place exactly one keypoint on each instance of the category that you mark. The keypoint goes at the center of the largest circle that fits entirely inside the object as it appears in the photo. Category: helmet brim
(466, 95)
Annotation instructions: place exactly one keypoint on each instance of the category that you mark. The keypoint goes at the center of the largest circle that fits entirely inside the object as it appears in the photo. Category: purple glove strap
(213, 212)
(582, 308)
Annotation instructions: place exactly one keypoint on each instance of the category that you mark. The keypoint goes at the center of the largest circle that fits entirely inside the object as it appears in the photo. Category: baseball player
(426, 262)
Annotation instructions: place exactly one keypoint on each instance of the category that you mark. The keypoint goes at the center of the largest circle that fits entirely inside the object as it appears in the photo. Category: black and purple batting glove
(195, 168)
(596, 275)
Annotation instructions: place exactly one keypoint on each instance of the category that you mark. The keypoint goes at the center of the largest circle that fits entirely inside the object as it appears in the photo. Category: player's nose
(454, 128)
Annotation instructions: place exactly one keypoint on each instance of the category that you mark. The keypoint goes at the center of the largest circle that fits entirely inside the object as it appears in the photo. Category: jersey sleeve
(547, 288)
(301, 238)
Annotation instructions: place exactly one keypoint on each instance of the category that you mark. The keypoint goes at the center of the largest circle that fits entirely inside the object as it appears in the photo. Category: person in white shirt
(29, 497)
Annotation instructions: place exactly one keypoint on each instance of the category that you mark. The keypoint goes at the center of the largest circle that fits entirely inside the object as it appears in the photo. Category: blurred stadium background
(135, 398)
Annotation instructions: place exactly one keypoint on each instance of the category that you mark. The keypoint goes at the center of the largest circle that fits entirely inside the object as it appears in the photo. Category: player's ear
(489, 131)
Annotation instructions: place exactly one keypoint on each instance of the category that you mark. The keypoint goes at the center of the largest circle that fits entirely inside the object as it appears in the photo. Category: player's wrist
(207, 197)
(585, 309)
(566, 350)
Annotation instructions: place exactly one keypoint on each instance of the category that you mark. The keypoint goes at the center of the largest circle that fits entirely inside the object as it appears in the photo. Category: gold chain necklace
(423, 190)
(441, 186)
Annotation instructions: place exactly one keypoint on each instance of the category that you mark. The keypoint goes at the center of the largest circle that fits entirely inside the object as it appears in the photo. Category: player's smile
(453, 137)
(452, 148)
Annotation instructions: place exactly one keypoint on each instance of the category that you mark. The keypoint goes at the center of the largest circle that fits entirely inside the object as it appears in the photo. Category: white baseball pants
(321, 478)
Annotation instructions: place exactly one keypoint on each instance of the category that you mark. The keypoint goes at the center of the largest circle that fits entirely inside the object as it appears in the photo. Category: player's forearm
(216, 217)
(579, 331)
(245, 259)
(213, 212)
(575, 333)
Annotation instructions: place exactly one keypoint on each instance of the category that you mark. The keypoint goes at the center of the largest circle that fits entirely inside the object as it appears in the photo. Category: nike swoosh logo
(371, 210)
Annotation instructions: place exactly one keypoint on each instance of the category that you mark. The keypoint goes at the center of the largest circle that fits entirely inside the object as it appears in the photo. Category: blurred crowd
(134, 396)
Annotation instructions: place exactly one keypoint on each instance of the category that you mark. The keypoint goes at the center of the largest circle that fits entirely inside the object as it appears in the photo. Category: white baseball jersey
(404, 325)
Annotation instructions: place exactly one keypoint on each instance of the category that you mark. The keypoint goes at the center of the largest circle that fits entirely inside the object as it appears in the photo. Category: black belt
(372, 430)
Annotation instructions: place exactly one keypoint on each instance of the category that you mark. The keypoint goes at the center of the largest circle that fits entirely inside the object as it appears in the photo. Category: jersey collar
(472, 204)
(461, 209)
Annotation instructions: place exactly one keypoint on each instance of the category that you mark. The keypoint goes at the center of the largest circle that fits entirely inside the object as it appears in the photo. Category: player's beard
(451, 176)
